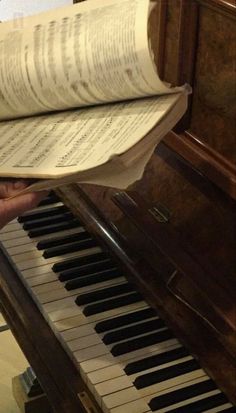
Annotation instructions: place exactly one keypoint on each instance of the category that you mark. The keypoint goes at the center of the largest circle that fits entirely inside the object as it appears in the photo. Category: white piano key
(20, 249)
(113, 385)
(12, 235)
(42, 279)
(54, 295)
(77, 332)
(11, 227)
(29, 255)
(107, 373)
(221, 408)
(84, 342)
(119, 398)
(60, 304)
(91, 352)
(21, 241)
(96, 363)
(137, 406)
(48, 287)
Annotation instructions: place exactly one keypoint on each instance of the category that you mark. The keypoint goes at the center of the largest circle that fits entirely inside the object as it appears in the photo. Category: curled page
(89, 53)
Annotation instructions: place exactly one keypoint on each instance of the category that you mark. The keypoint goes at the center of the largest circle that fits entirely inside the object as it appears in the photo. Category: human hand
(11, 208)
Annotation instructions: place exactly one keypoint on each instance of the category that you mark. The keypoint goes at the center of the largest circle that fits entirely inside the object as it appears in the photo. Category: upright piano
(125, 301)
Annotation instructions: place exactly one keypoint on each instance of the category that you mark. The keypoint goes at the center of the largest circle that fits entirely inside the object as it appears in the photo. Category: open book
(80, 97)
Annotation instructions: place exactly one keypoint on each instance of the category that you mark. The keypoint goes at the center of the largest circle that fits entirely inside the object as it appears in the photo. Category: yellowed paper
(75, 141)
(89, 53)
(121, 171)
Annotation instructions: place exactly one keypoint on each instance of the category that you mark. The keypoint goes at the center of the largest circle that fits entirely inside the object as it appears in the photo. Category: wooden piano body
(173, 232)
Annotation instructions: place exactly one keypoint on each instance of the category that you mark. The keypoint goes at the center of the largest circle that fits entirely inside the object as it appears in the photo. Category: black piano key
(141, 342)
(50, 199)
(72, 247)
(39, 222)
(132, 331)
(125, 319)
(97, 295)
(50, 229)
(86, 269)
(202, 405)
(113, 303)
(93, 279)
(157, 360)
(184, 393)
(76, 262)
(37, 213)
(62, 240)
(148, 379)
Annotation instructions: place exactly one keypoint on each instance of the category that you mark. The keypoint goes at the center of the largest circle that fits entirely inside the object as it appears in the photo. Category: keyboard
(126, 354)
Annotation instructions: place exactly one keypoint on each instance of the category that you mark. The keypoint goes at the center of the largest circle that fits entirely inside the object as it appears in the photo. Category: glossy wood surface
(151, 252)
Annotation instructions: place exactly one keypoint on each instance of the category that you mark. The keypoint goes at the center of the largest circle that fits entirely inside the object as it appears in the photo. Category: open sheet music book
(80, 97)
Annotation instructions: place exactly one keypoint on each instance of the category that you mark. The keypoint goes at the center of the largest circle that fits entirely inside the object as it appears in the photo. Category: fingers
(8, 189)
(11, 208)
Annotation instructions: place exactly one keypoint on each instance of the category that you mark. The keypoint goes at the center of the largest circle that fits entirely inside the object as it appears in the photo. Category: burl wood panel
(171, 54)
(214, 97)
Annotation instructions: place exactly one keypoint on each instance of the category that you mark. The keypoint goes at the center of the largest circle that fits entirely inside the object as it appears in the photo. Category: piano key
(202, 404)
(80, 268)
(44, 221)
(125, 320)
(100, 362)
(91, 352)
(91, 279)
(184, 393)
(50, 199)
(59, 293)
(173, 381)
(159, 375)
(103, 293)
(49, 229)
(120, 398)
(226, 408)
(131, 331)
(112, 371)
(36, 260)
(106, 305)
(137, 343)
(68, 264)
(74, 332)
(155, 360)
(42, 213)
(70, 247)
(136, 406)
(81, 319)
(9, 240)
(41, 279)
(11, 227)
(51, 242)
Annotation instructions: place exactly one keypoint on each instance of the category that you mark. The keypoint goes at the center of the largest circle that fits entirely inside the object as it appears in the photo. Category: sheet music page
(89, 53)
(78, 140)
